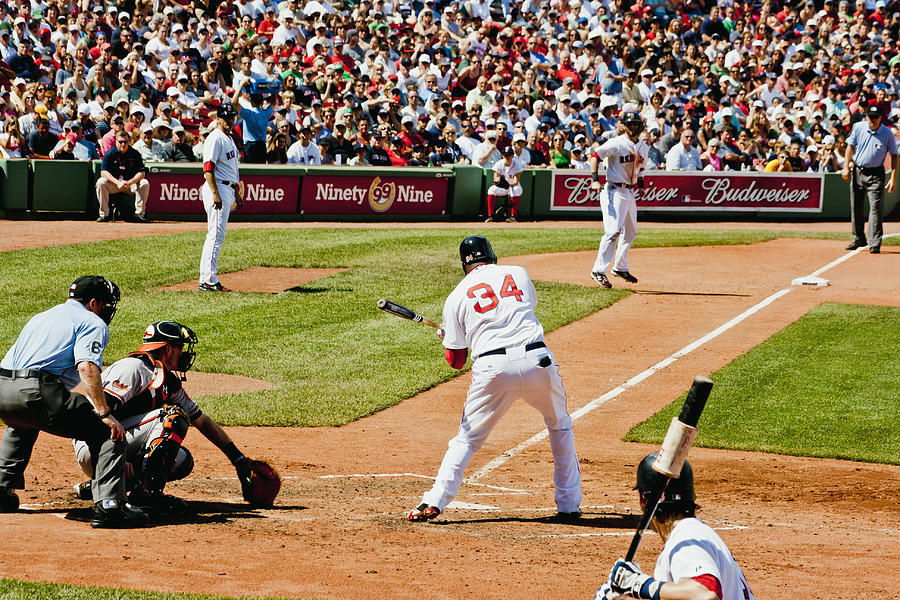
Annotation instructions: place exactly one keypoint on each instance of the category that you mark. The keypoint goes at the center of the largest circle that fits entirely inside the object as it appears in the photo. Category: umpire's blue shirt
(57, 340)
(872, 147)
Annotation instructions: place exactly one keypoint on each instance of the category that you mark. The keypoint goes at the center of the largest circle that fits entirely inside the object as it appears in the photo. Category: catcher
(695, 564)
(145, 394)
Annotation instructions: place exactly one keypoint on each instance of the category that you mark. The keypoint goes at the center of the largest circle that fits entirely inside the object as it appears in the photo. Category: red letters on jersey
(507, 289)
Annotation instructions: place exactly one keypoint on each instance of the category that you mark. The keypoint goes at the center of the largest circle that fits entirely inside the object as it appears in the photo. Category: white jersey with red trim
(508, 171)
(694, 549)
(220, 150)
(492, 307)
(625, 160)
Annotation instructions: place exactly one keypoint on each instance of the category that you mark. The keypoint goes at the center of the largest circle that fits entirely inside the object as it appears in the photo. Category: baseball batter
(220, 192)
(145, 393)
(491, 312)
(507, 172)
(626, 158)
(695, 564)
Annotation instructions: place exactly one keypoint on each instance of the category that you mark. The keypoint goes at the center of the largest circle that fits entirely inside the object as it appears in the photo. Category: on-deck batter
(491, 312)
(695, 564)
(626, 157)
(220, 169)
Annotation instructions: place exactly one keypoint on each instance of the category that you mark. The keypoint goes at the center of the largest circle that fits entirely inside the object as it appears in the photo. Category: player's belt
(624, 185)
(528, 348)
(871, 170)
(228, 183)
(20, 373)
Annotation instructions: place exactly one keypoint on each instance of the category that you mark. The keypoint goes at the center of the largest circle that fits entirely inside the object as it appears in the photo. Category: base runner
(491, 311)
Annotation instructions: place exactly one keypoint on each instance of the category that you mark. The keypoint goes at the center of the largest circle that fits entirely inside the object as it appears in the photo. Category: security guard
(869, 144)
(50, 381)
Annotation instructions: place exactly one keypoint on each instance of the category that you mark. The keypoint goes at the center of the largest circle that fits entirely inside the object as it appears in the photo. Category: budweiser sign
(728, 191)
(179, 193)
(367, 195)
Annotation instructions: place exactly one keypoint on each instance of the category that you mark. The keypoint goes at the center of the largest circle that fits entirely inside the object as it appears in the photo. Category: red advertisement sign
(372, 195)
(179, 193)
(726, 191)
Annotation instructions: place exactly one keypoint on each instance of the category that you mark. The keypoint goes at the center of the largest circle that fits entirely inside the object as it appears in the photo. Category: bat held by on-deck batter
(672, 454)
(405, 313)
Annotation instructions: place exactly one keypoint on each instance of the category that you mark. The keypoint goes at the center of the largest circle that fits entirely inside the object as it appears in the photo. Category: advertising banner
(178, 193)
(725, 191)
(372, 195)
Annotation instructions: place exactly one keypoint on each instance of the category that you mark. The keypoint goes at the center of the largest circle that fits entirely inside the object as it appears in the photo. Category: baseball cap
(490, 133)
(872, 111)
(647, 73)
(146, 127)
(508, 151)
(519, 137)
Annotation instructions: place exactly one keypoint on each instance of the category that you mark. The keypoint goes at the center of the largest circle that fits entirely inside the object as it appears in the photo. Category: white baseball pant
(619, 228)
(216, 222)
(513, 190)
(497, 382)
(140, 430)
(141, 191)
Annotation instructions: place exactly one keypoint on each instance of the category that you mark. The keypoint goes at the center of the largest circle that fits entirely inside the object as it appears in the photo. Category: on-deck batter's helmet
(632, 117)
(161, 333)
(679, 495)
(90, 287)
(476, 249)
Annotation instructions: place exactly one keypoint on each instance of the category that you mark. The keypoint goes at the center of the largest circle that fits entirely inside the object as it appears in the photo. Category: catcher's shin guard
(163, 452)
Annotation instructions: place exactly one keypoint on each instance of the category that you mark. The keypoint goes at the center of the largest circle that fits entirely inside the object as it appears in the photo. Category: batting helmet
(476, 249)
(162, 333)
(226, 111)
(679, 495)
(632, 117)
(91, 287)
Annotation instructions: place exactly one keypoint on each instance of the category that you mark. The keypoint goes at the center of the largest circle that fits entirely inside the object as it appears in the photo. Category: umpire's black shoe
(626, 275)
(117, 516)
(875, 250)
(854, 245)
(9, 500)
(213, 287)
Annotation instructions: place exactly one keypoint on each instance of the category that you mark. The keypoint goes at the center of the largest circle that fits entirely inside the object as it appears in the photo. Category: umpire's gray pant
(29, 405)
(867, 184)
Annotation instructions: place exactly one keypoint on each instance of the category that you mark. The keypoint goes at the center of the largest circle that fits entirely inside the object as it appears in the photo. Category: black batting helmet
(90, 287)
(162, 333)
(476, 249)
(679, 495)
(632, 117)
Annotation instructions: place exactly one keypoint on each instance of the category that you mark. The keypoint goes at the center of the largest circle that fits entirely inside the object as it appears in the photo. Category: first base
(813, 281)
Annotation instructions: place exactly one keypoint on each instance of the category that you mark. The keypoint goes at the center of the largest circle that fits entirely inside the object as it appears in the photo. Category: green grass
(333, 356)
(21, 590)
(825, 386)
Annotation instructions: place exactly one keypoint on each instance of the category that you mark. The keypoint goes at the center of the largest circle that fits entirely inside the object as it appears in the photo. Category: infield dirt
(800, 528)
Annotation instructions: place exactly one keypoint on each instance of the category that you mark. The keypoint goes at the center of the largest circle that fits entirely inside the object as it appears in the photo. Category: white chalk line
(368, 475)
(496, 462)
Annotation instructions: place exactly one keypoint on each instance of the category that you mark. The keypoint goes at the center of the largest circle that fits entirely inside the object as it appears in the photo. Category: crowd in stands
(743, 85)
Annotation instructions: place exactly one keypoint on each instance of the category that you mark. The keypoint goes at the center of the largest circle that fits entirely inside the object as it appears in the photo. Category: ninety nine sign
(372, 195)
(726, 191)
(179, 193)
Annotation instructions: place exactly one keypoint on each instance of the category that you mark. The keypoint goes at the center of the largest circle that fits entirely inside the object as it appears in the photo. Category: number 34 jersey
(491, 308)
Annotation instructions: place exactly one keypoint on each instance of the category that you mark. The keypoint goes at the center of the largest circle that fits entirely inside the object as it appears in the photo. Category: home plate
(810, 280)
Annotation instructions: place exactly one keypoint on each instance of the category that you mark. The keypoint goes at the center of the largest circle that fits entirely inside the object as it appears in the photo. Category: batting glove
(626, 578)
(604, 592)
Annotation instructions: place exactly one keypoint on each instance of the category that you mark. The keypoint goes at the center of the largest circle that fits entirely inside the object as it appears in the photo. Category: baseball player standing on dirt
(50, 381)
(220, 191)
(695, 564)
(491, 312)
(145, 393)
(626, 157)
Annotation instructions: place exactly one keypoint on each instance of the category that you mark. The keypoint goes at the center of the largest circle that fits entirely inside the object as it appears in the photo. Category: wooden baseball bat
(672, 454)
(404, 313)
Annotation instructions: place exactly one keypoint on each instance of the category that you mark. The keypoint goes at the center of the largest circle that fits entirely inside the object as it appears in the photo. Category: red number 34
(508, 288)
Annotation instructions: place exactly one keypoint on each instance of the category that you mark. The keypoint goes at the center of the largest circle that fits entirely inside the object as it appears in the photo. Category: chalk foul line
(618, 390)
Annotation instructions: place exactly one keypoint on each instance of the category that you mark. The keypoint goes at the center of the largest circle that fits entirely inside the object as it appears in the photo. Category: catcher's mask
(476, 249)
(679, 495)
(633, 123)
(161, 333)
(90, 287)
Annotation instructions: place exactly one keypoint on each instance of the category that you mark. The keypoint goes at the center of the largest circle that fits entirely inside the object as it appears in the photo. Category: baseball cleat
(601, 280)
(489, 220)
(423, 512)
(9, 500)
(163, 503)
(117, 517)
(568, 517)
(213, 287)
(511, 220)
(83, 490)
(626, 275)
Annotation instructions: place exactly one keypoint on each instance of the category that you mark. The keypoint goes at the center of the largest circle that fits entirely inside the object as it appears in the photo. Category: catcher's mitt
(260, 482)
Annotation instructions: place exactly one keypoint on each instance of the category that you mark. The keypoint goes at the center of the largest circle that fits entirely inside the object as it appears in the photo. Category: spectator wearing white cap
(286, 30)
(534, 121)
(320, 37)
(646, 87)
(486, 153)
(159, 45)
